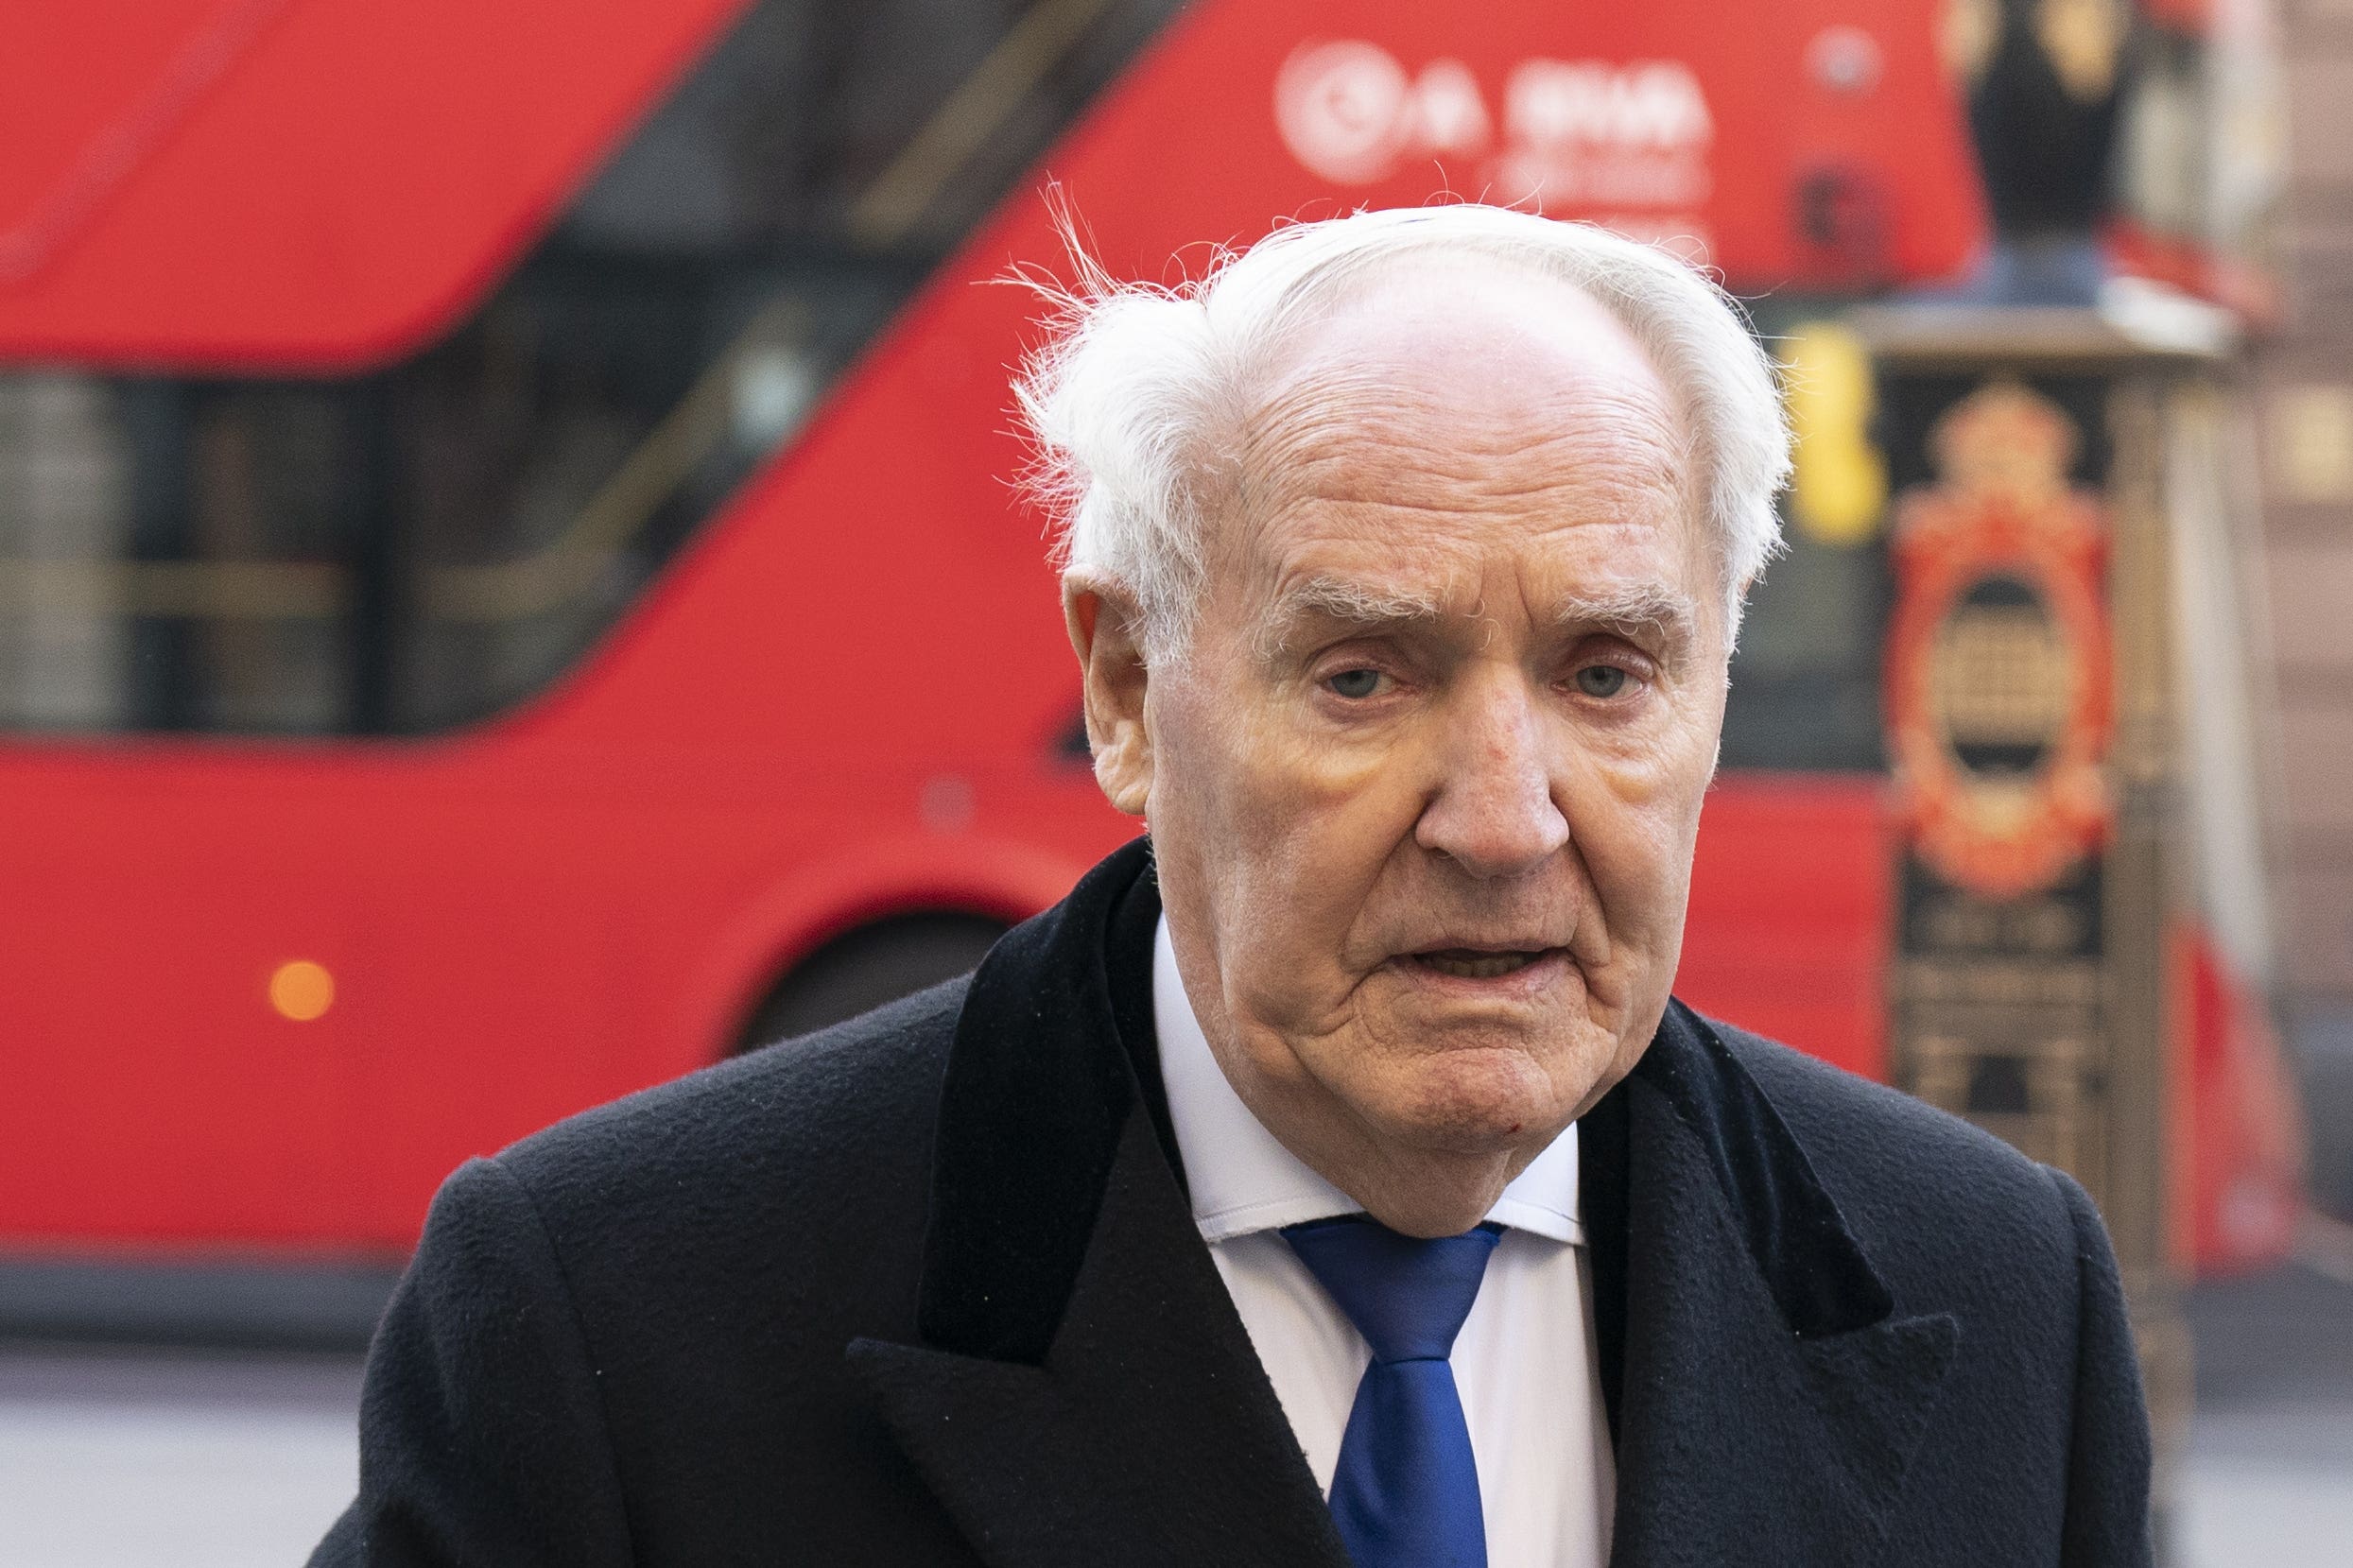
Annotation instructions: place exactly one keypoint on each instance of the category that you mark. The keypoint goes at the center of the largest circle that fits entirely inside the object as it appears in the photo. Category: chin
(1479, 1099)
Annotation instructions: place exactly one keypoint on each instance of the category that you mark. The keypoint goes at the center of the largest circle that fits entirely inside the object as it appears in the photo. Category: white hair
(1138, 393)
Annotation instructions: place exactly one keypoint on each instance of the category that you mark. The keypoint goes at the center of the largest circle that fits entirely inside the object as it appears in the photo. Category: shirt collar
(1243, 1180)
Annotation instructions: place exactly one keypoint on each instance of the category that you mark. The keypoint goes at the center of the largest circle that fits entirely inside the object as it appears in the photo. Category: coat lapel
(1773, 1395)
(1085, 1392)
(1150, 1434)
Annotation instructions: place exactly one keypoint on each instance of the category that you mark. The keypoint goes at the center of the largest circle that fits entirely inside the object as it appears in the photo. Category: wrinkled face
(1425, 788)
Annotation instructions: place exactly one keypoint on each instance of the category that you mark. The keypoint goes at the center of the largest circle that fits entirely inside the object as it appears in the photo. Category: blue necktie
(1405, 1491)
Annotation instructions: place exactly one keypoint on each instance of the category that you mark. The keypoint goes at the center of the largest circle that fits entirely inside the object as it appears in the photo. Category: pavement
(115, 1457)
(2269, 1481)
(130, 1459)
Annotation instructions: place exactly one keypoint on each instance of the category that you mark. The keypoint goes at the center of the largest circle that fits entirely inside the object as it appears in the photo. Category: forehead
(1450, 419)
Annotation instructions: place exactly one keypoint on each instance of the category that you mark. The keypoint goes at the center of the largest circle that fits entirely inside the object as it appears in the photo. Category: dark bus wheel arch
(865, 966)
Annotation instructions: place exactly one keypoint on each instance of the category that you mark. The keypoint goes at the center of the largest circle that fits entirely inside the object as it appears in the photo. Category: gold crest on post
(2000, 700)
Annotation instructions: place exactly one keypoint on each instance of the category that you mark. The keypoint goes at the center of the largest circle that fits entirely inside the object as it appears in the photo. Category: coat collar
(1054, 1054)
(1778, 1397)
(1085, 1388)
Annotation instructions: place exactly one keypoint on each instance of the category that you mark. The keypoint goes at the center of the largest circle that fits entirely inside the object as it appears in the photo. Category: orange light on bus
(302, 991)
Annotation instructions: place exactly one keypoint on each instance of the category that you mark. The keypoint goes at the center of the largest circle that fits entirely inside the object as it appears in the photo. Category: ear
(1106, 632)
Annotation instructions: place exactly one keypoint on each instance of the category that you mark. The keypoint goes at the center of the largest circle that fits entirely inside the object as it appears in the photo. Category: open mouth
(1466, 963)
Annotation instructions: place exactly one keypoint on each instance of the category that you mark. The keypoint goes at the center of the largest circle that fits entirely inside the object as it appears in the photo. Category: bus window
(422, 546)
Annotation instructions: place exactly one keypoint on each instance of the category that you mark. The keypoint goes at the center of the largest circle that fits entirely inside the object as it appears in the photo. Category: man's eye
(1354, 683)
(1603, 681)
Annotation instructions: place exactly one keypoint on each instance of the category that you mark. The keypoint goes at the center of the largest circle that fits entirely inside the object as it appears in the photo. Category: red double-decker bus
(509, 583)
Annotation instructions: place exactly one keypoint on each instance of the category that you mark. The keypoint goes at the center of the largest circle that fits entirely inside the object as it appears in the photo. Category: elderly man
(1331, 1176)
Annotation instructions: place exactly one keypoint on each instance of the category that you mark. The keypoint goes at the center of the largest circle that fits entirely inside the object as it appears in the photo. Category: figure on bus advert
(1332, 1176)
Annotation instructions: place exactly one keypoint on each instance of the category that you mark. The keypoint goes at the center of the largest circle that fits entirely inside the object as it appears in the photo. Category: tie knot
(1407, 1297)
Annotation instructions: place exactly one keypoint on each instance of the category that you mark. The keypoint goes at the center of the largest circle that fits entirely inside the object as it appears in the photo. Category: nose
(1492, 813)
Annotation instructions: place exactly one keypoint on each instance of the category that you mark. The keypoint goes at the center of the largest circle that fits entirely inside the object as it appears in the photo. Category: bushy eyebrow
(1644, 614)
(1337, 599)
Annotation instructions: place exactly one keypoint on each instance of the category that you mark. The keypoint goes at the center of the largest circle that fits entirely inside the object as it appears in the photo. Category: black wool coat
(924, 1288)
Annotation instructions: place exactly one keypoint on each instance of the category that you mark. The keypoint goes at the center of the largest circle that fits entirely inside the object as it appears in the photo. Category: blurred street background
(513, 589)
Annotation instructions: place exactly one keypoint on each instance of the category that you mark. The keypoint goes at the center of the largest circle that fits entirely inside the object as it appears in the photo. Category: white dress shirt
(1524, 1361)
